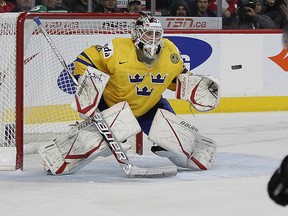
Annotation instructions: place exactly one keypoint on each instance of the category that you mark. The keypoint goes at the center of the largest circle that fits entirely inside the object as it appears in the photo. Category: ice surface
(250, 147)
(7, 158)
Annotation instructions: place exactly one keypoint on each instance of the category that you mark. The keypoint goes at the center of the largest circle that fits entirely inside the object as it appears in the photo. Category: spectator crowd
(236, 14)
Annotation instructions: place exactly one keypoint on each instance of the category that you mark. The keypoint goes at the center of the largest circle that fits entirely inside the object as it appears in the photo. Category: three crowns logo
(145, 91)
(137, 78)
(158, 78)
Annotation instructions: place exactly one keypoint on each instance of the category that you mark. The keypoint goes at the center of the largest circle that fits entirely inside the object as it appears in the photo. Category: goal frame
(20, 31)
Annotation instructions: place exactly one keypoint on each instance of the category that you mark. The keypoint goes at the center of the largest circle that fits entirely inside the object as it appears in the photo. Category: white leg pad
(82, 144)
(189, 149)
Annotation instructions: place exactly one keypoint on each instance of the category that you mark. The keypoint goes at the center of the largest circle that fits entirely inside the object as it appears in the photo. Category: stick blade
(155, 172)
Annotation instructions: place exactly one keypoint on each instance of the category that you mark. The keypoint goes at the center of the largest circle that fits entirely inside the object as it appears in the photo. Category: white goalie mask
(147, 34)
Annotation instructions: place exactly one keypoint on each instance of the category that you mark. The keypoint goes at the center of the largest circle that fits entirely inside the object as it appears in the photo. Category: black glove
(278, 184)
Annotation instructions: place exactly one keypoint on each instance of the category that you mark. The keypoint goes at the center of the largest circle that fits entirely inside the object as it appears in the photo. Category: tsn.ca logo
(183, 23)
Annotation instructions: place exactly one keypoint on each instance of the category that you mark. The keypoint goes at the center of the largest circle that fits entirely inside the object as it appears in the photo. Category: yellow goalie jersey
(131, 80)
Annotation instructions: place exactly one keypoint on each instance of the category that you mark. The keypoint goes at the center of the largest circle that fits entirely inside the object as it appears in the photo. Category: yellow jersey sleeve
(89, 57)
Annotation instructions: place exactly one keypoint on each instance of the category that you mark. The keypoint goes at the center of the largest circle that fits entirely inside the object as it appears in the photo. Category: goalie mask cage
(35, 92)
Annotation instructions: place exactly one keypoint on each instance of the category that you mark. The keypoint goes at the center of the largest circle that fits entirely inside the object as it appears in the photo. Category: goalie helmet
(147, 35)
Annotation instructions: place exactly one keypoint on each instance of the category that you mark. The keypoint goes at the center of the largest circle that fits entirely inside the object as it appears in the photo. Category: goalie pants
(145, 121)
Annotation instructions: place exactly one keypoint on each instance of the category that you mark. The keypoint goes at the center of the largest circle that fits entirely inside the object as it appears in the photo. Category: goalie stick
(106, 132)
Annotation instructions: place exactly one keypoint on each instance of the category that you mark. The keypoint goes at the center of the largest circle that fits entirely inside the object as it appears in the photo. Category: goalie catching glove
(202, 92)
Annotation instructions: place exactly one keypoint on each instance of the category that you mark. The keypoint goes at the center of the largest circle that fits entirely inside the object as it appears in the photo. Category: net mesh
(48, 90)
(7, 78)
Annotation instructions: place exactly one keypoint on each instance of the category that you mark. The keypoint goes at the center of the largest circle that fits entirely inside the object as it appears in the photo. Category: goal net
(35, 90)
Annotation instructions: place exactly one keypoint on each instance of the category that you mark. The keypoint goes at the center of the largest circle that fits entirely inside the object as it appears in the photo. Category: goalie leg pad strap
(189, 149)
(84, 143)
(52, 157)
(204, 153)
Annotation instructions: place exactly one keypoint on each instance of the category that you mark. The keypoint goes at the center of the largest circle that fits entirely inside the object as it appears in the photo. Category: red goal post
(35, 94)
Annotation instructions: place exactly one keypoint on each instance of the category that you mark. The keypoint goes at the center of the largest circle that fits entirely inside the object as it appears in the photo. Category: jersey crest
(137, 78)
(175, 58)
(158, 78)
(145, 91)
